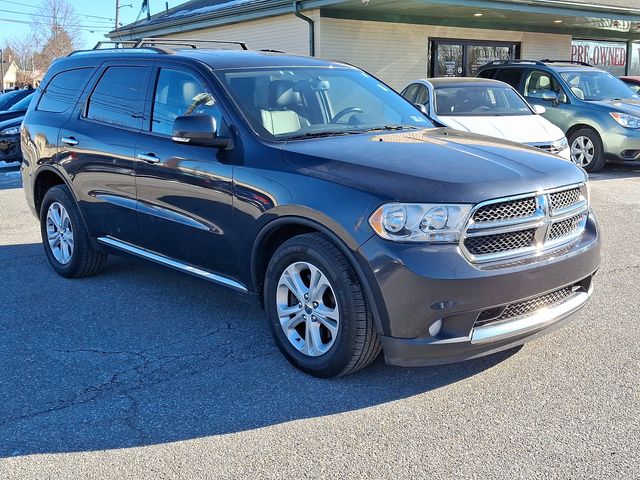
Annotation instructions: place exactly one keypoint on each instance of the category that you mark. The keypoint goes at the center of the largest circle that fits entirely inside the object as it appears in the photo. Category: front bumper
(623, 144)
(10, 149)
(420, 286)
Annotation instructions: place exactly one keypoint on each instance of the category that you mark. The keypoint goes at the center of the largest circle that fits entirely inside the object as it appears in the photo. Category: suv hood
(517, 128)
(632, 107)
(431, 165)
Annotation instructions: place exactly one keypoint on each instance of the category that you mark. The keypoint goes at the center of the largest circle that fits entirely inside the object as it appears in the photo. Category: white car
(487, 107)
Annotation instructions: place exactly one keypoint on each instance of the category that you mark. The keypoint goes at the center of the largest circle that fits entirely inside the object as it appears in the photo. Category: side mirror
(539, 109)
(549, 96)
(422, 108)
(200, 130)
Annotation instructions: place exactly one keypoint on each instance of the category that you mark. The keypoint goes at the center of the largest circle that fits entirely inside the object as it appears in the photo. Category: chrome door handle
(69, 141)
(149, 158)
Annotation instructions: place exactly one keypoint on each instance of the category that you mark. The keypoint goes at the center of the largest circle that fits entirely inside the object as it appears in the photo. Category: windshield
(487, 100)
(294, 102)
(597, 85)
(22, 104)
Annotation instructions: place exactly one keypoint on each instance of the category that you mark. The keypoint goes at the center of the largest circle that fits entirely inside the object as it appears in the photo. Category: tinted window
(422, 95)
(63, 89)
(487, 73)
(179, 93)
(118, 97)
(512, 76)
(10, 98)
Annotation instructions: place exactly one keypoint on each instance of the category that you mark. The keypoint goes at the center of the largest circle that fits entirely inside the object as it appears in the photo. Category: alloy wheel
(60, 233)
(307, 309)
(582, 151)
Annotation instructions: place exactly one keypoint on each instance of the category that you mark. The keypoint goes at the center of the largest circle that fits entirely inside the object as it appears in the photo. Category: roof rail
(151, 45)
(515, 61)
(181, 42)
(574, 62)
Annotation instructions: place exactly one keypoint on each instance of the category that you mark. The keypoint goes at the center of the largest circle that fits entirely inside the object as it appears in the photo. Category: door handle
(149, 158)
(69, 141)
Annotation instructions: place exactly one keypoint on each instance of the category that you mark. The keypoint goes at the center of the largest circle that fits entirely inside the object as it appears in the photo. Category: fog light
(435, 328)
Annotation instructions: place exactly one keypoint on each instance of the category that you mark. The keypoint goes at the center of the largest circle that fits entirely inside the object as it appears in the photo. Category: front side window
(594, 85)
(307, 101)
(179, 93)
(477, 101)
(63, 89)
(538, 82)
(118, 97)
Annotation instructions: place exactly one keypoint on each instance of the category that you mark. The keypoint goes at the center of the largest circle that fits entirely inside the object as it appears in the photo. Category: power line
(105, 19)
(101, 29)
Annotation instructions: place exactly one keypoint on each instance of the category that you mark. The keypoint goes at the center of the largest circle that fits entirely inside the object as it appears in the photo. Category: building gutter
(312, 39)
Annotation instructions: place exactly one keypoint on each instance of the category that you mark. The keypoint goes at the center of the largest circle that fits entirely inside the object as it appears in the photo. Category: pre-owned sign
(609, 56)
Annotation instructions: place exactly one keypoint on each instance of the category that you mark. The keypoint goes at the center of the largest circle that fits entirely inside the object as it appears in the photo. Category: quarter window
(62, 90)
(118, 97)
(180, 93)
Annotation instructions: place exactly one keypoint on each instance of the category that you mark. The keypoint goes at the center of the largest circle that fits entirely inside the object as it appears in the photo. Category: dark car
(599, 114)
(7, 100)
(10, 140)
(318, 190)
(16, 110)
(633, 83)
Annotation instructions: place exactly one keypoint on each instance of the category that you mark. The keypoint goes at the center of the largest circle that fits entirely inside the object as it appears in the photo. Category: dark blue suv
(314, 188)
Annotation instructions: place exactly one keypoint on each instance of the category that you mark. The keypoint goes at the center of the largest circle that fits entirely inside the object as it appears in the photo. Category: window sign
(609, 56)
(463, 58)
(634, 68)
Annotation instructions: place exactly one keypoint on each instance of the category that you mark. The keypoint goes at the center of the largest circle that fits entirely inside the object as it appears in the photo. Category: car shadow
(614, 171)
(142, 355)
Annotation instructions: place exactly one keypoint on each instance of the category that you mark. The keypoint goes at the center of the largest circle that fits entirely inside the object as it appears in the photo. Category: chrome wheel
(307, 309)
(582, 151)
(59, 233)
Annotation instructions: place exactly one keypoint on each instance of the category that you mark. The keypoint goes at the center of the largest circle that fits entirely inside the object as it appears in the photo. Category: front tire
(64, 237)
(317, 310)
(586, 150)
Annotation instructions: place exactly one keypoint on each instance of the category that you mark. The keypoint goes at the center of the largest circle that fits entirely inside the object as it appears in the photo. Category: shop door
(463, 58)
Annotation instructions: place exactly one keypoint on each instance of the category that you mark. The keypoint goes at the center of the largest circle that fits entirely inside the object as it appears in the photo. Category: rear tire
(586, 150)
(65, 239)
(330, 297)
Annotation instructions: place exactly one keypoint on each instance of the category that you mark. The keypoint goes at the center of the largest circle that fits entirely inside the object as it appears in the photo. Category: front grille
(500, 242)
(564, 199)
(506, 210)
(565, 227)
(520, 309)
(509, 228)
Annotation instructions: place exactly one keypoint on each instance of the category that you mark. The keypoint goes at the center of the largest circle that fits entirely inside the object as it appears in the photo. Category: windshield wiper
(324, 133)
(389, 128)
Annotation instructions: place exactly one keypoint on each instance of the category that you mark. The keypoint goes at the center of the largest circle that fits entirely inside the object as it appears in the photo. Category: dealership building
(401, 40)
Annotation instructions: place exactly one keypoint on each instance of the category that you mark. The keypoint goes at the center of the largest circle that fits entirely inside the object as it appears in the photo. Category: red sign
(610, 56)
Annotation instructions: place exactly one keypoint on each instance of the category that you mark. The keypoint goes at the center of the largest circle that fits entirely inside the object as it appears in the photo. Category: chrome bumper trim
(518, 326)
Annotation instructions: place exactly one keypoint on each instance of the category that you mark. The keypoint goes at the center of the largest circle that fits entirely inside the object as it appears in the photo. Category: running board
(182, 267)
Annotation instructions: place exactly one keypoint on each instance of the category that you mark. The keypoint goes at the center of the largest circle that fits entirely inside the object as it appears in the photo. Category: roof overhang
(546, 16)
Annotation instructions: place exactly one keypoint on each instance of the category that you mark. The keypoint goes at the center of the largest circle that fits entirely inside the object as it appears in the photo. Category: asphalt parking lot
(143, 372)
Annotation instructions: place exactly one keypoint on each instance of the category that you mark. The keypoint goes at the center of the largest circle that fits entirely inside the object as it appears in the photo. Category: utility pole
(1, 70)
(117, 14)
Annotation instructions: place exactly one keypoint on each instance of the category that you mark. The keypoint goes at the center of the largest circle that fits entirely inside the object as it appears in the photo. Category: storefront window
(609, 56)
(463, 58)
(634, 68)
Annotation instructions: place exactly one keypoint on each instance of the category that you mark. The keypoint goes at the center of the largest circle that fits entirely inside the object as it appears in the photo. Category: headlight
(10, 131)
(420, 222)
(626, 120)
(561, 144)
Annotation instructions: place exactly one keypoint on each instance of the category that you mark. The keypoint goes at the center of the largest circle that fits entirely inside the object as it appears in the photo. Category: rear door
(185, 191)
(99, 143)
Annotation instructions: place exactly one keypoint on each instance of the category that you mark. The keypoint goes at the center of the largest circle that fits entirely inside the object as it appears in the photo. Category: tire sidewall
(61, 195)
(335, 360)
(598, 160)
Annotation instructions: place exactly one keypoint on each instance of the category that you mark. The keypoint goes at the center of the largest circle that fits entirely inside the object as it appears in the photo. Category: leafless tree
(55, 30)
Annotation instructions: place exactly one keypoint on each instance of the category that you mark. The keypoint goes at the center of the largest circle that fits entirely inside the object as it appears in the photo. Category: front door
(184, 191)
(538, 82)
(463, 58)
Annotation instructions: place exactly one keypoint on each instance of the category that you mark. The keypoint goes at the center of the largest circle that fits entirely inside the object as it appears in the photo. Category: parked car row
(13, 107)
(318, 190)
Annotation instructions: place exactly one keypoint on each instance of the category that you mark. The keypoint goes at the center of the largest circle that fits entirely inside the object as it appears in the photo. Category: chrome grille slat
(526, 307)
(525, 225)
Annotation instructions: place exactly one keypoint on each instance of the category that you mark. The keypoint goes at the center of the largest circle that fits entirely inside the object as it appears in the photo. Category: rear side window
(487, 73)
(63, 89)
(118, 97)
(512, 76)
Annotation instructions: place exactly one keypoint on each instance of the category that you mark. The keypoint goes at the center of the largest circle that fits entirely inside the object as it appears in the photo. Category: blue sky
(12, 12)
